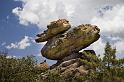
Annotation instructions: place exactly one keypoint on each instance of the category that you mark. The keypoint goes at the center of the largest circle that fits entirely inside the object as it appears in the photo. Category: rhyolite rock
(43, 66)
(63, 45)
(54, 28)
(73, 67)
(75, 55)
(62, 42)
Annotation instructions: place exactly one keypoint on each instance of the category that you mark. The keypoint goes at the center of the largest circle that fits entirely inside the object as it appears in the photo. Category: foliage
(17, 69)
(109, 68)
(106, 69)
(51, 77)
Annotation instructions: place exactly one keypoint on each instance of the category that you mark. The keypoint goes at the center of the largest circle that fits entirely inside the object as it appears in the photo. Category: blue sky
(11, 30)
(21, 20)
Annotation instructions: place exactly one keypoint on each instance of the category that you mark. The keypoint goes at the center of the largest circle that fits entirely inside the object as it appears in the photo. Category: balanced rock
(54, 28)
(63, 44)
(74, 40)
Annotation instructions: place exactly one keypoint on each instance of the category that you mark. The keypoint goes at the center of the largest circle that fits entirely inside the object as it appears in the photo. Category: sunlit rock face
(62, 43)
(54, 28)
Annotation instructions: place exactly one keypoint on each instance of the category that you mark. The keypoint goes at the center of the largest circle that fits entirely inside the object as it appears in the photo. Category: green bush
(17, 69)
(109, 68)
(106, 69)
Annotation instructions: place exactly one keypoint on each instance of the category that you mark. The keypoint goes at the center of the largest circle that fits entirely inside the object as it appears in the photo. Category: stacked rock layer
(61, 42)
(64, 43)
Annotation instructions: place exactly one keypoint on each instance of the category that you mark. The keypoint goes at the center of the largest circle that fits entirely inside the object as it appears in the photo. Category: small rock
(43, 66)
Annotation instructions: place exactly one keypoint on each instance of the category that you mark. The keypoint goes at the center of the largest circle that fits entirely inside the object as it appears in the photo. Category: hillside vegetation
(106, 69)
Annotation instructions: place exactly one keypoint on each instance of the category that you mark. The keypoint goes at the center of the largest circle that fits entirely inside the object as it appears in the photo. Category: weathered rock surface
(73, 67)
(63, 45)
(54, 28)
(42, 66)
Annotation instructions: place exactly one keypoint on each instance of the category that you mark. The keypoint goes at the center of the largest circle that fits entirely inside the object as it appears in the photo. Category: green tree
(109, 56)
(106, 69)
(110, 68)
(17, 69)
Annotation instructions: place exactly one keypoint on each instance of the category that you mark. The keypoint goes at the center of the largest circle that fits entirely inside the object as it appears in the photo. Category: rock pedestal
(64, 45)
(74, 67)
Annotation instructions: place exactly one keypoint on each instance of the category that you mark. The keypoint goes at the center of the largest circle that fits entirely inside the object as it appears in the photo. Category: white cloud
(120, 46)
(12, 45)
(24, 43)
(41, 12)
(112, 24)
(98, 47)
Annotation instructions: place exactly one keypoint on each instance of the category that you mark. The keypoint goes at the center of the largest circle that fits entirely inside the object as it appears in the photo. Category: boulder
(43, 66)
(73, 67)
(74, 40)
(54, 28)
(63, 44)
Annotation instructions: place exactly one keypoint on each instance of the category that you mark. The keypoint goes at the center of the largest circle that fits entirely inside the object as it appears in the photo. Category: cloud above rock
(111, 24)
(107, 14)
(41, 12)
(112, 21)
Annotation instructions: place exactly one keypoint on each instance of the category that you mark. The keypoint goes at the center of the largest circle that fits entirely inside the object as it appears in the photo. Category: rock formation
(64, 45)
(42, 66)
(76, 67)
(54, 28)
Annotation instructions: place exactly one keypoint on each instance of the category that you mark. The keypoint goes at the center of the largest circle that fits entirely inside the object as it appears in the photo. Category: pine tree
(111, 68)
(109, 55)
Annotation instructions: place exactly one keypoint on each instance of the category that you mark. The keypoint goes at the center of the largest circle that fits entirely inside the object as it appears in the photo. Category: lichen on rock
(54, 28)
(73, 67)
(64, 45)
